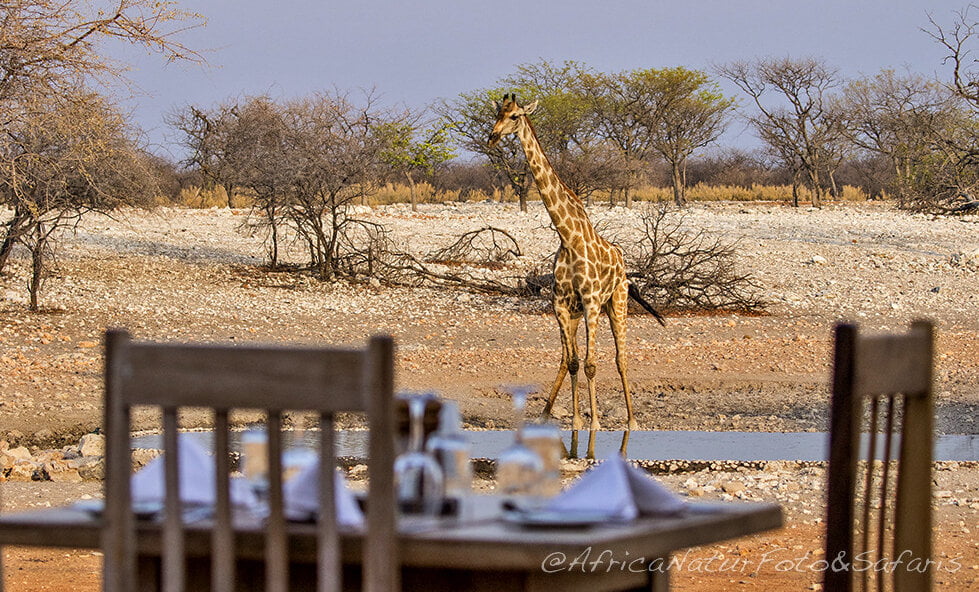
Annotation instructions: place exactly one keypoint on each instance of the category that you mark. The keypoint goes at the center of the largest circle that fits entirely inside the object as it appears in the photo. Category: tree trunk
(630, 183)
(795, 188)
(411, 189)
(522, 196)
(37, 268)
(817, 190)
(273, 236)
(15, 227)
(834, 190)
(677, 180)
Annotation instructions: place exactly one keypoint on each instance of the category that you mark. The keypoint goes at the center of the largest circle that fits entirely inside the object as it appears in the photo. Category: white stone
(92, 445)
(19, 453)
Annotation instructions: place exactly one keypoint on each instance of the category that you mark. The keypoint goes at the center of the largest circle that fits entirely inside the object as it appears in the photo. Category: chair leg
(659, 579)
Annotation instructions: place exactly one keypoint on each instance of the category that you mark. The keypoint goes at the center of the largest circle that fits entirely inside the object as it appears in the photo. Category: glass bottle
(519, 469)
(418, 478)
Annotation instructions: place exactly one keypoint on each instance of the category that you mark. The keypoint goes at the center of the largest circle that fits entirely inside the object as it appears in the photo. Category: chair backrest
(273, 379)
(879, 509)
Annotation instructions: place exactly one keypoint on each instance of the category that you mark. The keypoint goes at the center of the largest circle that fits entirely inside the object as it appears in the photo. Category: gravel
(179, 274)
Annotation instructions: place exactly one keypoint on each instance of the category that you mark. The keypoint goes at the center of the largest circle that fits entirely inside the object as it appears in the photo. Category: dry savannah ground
(184, 274)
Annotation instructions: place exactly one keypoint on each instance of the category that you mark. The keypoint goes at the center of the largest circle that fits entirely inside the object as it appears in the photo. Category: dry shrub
(681, 269)
(485, 246)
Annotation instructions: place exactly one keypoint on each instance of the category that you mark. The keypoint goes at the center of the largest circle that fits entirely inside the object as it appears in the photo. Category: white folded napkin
(196, 475)
(302, 497)
(618, 489)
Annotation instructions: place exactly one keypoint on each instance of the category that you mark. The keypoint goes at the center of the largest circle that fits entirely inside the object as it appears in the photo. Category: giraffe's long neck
(565, 208)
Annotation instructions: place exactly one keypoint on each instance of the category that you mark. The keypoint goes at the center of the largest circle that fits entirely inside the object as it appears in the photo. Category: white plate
(555, 519)
(142, 510)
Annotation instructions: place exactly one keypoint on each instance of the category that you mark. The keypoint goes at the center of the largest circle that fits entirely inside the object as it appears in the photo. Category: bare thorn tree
(65, 150)
(683, 269)
(955, 181)
(793, 117)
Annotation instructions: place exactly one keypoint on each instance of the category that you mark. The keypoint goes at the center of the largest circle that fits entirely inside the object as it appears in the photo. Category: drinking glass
(450, 447)
(544, 438)
(519, 469)
(255, 462)
(418, 477)
(297, 456)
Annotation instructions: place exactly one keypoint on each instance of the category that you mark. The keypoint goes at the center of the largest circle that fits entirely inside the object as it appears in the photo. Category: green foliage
(564, 117)
(408, 148)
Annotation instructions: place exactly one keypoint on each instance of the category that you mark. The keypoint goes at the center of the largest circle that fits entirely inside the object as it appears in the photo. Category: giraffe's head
(508, 116)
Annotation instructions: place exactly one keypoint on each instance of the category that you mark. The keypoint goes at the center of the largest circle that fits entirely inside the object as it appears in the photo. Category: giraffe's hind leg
(568, 324)
(617, 310)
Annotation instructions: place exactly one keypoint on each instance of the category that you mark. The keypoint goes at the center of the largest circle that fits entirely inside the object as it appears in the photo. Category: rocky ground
(192, 274)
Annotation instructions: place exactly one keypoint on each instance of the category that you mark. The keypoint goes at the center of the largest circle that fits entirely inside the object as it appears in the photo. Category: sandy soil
(191, 274)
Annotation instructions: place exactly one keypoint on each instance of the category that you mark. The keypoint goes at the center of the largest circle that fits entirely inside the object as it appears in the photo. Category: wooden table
(481, 553)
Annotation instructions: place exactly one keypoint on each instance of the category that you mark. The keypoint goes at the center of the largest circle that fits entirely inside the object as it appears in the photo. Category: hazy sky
(416, 52)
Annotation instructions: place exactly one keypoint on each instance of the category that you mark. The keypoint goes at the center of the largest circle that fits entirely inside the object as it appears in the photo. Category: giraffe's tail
(634, 293)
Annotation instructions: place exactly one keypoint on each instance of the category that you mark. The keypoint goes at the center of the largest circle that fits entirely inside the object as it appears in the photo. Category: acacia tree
(564, 121)
(690, 113)
(469, 118)
(251, 152)
(412, 148)
(63, 157)
(49, 59)
(670, 112)
(209, 135)
(792, 98)
(955, 175)
(567, 125)
(901, 118)
(621, 107)
(46, 45)
(332, 156)
(304, 162)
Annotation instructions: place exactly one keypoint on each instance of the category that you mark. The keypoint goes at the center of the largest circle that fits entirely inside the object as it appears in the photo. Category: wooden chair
(269, 378)
(878, 509)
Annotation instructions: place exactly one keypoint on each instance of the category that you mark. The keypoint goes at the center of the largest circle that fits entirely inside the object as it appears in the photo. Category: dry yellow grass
(703, 192)
(389, 193)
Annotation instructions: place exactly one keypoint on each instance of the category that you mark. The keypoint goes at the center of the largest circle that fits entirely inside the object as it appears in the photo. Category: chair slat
(885, 489)
(868, 487)
(381, 556)
(262, 378)
(174, 566)
(119, 532)
(327, 537)
(223, 574)
(912, 532)
(276, 543)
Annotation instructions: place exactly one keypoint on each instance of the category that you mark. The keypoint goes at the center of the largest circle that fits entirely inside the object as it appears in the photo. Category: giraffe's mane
(574, 196)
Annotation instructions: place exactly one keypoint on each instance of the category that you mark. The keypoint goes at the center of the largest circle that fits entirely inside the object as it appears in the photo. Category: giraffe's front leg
(568, 324)
(591, 330)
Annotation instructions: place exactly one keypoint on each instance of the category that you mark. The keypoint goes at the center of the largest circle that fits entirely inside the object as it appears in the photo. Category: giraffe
(589, 271)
